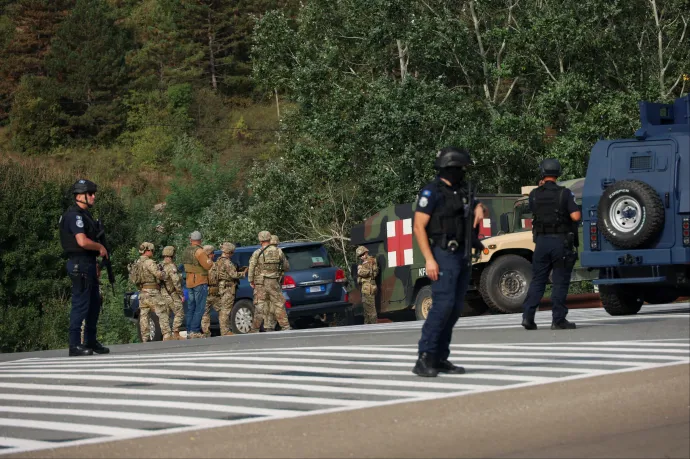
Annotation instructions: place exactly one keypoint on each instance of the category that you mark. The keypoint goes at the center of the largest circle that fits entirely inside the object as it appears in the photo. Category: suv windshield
(307, 257)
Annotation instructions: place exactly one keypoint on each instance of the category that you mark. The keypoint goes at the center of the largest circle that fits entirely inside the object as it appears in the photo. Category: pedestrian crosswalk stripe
(48, 401)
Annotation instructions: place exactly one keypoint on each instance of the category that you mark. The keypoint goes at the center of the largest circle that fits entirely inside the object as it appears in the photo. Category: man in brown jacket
(196, 267)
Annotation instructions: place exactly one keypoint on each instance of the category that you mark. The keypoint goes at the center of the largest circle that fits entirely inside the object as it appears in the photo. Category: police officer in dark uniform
(440, 226)
(554, 228)
(78, 234)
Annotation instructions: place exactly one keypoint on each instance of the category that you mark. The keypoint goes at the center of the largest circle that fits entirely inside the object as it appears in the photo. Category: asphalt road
(615, 387)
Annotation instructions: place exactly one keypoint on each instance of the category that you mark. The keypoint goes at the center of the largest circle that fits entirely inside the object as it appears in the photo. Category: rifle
(105, 261)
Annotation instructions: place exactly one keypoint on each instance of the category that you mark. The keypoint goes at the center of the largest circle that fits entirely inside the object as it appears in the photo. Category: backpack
(135, 273)
(213, 275)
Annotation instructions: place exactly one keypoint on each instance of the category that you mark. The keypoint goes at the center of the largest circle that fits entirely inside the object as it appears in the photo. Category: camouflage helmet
(169, 251)
(361, 250)
(264, 236)
(274, 239)
(227, 247)
(146, 246)
(208, 249)
(82, 186)
(452, 157)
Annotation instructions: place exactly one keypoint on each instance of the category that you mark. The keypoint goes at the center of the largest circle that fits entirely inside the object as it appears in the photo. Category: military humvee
(636, 211)
(504, 271)
(402, 277)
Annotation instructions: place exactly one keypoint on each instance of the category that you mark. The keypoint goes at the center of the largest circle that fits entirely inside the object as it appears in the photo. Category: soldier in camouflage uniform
(228, 278)
(213, 297)
(173, 293)
(269, 322)
(147, 275)
(366, 278)
(265, 271)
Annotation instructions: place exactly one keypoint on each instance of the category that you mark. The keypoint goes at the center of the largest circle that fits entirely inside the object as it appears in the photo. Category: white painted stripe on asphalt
(265, 377)
(124, 415)
(70, 427)
(24, 443)
(409, 362)
(573, 348)
(220, 383)
(299, 368)
(152, 403)
(182, 393)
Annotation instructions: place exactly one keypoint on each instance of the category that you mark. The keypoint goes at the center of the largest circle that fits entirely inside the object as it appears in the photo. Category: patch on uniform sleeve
(426, 193)
(80, 222)
(423, 201)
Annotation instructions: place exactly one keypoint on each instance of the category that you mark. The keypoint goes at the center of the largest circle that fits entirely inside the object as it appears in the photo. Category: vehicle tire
(241, 317)
(422, 302)
(660, 295)
(620, 300)
(504, 283)
(631, 214)
(155, 333)
(474, 307)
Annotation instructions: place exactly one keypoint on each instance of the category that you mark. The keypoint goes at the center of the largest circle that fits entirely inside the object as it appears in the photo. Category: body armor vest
(270, 264)
(191, 264)
(448, 218)
(69, 242)
(550, 216)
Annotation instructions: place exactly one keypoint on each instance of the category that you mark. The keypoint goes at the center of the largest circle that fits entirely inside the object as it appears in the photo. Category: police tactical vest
(191, 264)
(68, 241)
(448, 218)
(550, 215)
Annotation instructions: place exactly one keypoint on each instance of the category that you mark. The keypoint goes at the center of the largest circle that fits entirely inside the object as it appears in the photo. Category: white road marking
(23, 443)
(69, 427)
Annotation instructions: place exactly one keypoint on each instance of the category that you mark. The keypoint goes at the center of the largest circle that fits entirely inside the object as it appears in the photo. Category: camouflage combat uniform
(213, 297)
(173, 293)
(228, 278)
(269, 320)
(265, 268)
(147, 279)
(366, 278)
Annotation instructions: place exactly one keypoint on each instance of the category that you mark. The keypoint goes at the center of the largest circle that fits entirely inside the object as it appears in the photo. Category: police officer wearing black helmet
(78, 234)
(440, 226)
(555, 216)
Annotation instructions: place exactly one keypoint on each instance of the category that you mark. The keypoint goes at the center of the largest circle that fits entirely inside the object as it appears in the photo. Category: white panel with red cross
(399, 243)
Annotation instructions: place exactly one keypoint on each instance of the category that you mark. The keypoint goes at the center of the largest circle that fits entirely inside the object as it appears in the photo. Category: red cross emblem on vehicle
(485, 228)
(399, 244)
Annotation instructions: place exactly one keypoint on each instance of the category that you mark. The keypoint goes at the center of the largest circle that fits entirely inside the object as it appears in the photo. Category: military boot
(176, 336)
(445, 366)
(79, 350)
(425, 365)
(563, 325)
(228, 333)
(168, 337)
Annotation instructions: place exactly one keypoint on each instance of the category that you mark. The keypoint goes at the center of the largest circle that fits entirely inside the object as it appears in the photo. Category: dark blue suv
(314, 291)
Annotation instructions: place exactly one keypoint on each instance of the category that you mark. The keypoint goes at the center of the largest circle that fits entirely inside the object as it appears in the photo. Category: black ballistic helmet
(83, 186)
(452, 157)
(550, 167)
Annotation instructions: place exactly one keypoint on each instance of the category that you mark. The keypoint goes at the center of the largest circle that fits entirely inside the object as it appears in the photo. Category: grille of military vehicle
(402, 280)
(314, 290)
(636, 211)
(504, 271)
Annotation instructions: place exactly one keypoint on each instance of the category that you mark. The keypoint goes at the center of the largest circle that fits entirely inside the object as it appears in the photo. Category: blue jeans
(195, 308)
(548, 255)
(448, 299)
(86, 300)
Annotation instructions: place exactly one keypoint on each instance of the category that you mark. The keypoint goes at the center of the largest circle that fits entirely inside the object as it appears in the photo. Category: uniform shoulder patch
(426, 193)
(80, 222)
(423, 201)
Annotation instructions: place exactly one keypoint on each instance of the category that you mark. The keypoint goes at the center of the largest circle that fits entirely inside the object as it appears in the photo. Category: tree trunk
(404, 59)
(211, 56)
(275, 91)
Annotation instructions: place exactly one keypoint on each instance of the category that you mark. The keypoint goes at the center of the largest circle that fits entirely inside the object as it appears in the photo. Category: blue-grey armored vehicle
(636, 211)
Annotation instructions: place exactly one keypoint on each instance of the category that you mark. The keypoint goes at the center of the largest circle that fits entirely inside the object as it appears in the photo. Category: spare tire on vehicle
(631, 214)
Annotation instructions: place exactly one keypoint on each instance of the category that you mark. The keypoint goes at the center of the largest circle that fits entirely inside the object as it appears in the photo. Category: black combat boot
(444, 366)
(529, 324)
(425, 365)
(563, 325)
(79, 350)
(98, 348)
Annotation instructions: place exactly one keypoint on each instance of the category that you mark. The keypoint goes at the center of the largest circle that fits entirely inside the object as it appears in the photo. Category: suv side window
(307, 257)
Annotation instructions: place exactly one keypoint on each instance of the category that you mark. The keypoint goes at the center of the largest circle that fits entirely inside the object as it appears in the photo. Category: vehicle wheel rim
(426, 306)
(512, 284)
(625, 214)
(152, 329)
(243, 320)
